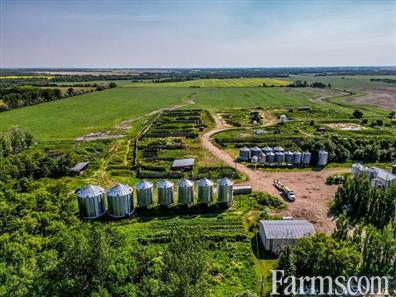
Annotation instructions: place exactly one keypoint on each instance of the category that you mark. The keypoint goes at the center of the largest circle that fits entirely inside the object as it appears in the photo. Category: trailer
(285, 190)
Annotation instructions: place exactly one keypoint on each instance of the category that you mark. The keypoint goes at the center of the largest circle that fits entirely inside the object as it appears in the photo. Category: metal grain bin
(244, 154)
(279, 149)
(120, 201)
(297, 157)
(144, 192)
(185, 192)
(261, 158)
(225, 190)
(165, 192)
(254, 160)
(306, 158)
(254, 151)
(91, 202)
(267, 150)
(323, 157)
(279, 157)
(289, 157)
(357, 170)
(205, 191)
(270, 157)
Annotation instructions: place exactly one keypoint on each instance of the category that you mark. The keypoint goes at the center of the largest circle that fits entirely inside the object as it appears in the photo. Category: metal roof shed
(184, 164)
(79, 167)
(276, 234)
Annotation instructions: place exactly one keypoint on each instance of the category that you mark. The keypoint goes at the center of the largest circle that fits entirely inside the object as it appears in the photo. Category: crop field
(216, 83)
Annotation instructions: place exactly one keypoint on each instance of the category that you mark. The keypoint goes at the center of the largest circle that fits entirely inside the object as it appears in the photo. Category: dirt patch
(99, 135)
(124, 125)
(346, 126)
(312, 194)
(384, 97)
(190, 101)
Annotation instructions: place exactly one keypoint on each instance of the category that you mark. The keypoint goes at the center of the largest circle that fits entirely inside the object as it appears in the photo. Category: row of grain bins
(277, 155)
(93, 204)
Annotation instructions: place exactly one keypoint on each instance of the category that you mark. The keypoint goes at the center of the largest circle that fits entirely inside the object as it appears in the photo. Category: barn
(276, 234)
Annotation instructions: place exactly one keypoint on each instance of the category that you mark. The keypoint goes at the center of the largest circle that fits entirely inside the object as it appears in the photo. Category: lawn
(216, 83)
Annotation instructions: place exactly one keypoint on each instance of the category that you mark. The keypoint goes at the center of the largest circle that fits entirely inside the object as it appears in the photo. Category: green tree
(357, 114)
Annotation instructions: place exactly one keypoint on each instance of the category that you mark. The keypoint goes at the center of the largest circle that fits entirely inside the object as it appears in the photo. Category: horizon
(175, 35)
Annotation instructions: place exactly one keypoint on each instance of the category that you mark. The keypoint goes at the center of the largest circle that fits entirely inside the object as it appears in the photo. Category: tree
(112, 85)
(392, 114)
(70, 91)
(357, 114)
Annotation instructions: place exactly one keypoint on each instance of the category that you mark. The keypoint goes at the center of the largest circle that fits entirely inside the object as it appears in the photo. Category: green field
(216, 83)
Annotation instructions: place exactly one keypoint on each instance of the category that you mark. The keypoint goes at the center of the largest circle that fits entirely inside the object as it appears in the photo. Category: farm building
(276, 234)
(183, 164)
(379, 178)
(79, 168)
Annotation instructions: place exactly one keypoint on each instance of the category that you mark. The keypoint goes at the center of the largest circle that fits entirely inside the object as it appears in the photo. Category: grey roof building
(276, 234)
(186, 164)
(79, 167)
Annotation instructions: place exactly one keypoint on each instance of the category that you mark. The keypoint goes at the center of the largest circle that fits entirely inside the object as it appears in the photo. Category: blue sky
(280, 33)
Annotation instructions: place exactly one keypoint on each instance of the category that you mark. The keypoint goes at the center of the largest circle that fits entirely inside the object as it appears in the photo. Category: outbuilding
(183, 164)
(275, 234)
(79, 168)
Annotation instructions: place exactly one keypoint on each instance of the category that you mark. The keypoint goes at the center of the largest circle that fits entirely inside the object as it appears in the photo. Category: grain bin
(279, 149)
(306, 158)
(372, 173)
(120, 201)
(255, 151)
(279, 157)
(165, 192)
(254, 160)
(323, 157)
(283, 118)
(225, 191)
(205, 191)
(289, 157)
(244, 154)
(297, 156)
(185, 192)
(91, 202)
(270, 157)
(267, 150)
(261, 158)
(357, 170)
(144, 192)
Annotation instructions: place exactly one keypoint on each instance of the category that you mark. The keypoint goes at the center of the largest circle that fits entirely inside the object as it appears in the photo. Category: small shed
(183, 164)
(240, 190)
(79, 168)
(275, 234)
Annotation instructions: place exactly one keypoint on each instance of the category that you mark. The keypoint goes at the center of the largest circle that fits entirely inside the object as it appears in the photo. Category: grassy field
(80, 115)
(216, 83)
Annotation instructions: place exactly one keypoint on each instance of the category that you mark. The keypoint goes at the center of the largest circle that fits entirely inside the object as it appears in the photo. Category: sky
(128, 34)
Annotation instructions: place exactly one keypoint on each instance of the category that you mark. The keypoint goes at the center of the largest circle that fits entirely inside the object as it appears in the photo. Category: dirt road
(313, 195)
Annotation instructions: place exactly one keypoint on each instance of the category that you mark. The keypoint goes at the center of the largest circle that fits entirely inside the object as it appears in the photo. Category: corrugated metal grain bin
(205, 191)
(270, 157)
(297, 157)
(244, 154)
(91, 202)
(120, 201)
(165, 192)
(261, 158)
(306, 158)
(289, 157)
(225, 191)
(323, 157)
(144, 192)
(185, 192)
(279, 157)
(254, 151)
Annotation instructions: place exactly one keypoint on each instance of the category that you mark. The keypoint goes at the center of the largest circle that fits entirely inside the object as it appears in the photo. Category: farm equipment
(285, 190)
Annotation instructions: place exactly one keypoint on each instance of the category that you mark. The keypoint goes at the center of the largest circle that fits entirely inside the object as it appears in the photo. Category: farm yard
(137, 130)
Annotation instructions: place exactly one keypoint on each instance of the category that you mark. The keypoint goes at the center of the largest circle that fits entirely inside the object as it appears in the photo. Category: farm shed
(239, 190)
(380, 178)
(183, 164)
(277, 234)
(79, 168)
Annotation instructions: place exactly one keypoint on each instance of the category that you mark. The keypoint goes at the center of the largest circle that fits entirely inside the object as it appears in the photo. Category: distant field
(347, 81)
(24, 76)
(216, 83)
